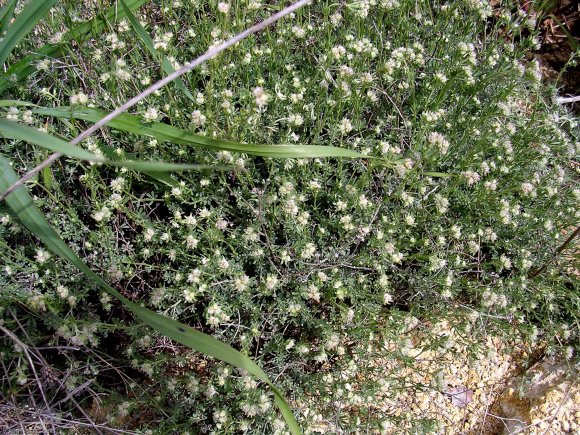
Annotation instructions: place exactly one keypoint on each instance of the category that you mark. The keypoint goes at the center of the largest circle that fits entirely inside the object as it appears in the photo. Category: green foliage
(344, 279)
(27, 65)
(33, 12)
(148, 42)
(28, 214)
(13, 130)
(164, 132)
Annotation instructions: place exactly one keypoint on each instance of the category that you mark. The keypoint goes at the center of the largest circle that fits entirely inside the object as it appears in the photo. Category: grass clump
(315, 267)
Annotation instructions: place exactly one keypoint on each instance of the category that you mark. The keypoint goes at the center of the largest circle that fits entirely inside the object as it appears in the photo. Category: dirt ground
(560, 28)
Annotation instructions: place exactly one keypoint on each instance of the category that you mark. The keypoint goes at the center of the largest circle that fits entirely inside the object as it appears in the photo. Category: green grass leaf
(26, 66)
(16, 103)
(31, 217)
(437, 174)
(164, 132)
(162, 177)
(25, 21)
(148, 42)
(6, 15)
(14, 130)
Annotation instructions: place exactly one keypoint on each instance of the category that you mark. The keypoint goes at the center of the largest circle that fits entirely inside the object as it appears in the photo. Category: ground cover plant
(312, 267)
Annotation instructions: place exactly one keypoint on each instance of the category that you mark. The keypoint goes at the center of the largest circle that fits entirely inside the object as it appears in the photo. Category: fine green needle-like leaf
(31, 217)
(148, 42)
(33, 12)
(164, 132)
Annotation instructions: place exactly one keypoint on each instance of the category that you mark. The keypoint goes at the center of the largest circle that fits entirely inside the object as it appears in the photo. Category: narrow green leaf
(16, 103)
(13, 130)
(159, 176)
(141, 32)
(6, 15)
(47, 177)
(164, 132)
(34, 11)
(30, 216)
(148, 42)
(157, 166)
(26, 66)
(438, 174)
(93, 26)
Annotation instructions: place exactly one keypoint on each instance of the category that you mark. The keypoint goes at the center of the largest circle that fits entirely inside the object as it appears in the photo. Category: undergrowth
(313, 267)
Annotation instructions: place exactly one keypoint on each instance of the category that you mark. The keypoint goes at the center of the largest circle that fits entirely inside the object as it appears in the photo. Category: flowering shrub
(309, 266)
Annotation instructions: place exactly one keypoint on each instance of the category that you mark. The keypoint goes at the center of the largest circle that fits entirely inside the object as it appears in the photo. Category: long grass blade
(162, 177)
(6, 15)
(25, 21)
(16, 103)
(14, 130)
(164, 132)
(148, 42)
(31, 217)
(27, 65)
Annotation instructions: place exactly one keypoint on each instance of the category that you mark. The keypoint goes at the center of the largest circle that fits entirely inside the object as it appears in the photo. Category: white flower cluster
(215, 315)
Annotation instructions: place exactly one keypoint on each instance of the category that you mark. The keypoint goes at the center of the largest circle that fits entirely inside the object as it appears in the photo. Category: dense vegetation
(313, 267)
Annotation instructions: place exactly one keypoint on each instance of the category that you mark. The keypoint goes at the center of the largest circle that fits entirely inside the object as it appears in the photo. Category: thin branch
(562, 100)
(155, 87)
(558, 252)
(25, 350)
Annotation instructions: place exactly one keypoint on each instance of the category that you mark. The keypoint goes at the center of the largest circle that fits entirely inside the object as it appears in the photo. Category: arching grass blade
(31, 217)
(164, 132)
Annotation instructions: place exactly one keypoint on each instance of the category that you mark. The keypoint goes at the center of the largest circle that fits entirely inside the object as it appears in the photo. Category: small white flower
(62, 291)
(79, 98)
(118, 184)
(439, 141)
(440, 77)
(308, 251)
(42, 256)
(151, 114)
(123, 74)
(223, 7)
(102, 215)
(295, 119)
(271, 282)
(345, 126)
(441, 204)
(505, 262)
(43, 65)
(223, 264)
(56, 38)
(527, 188)
(197, 118)
(149, 233)
(471, 177)
(191, 242)
(261, 96)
